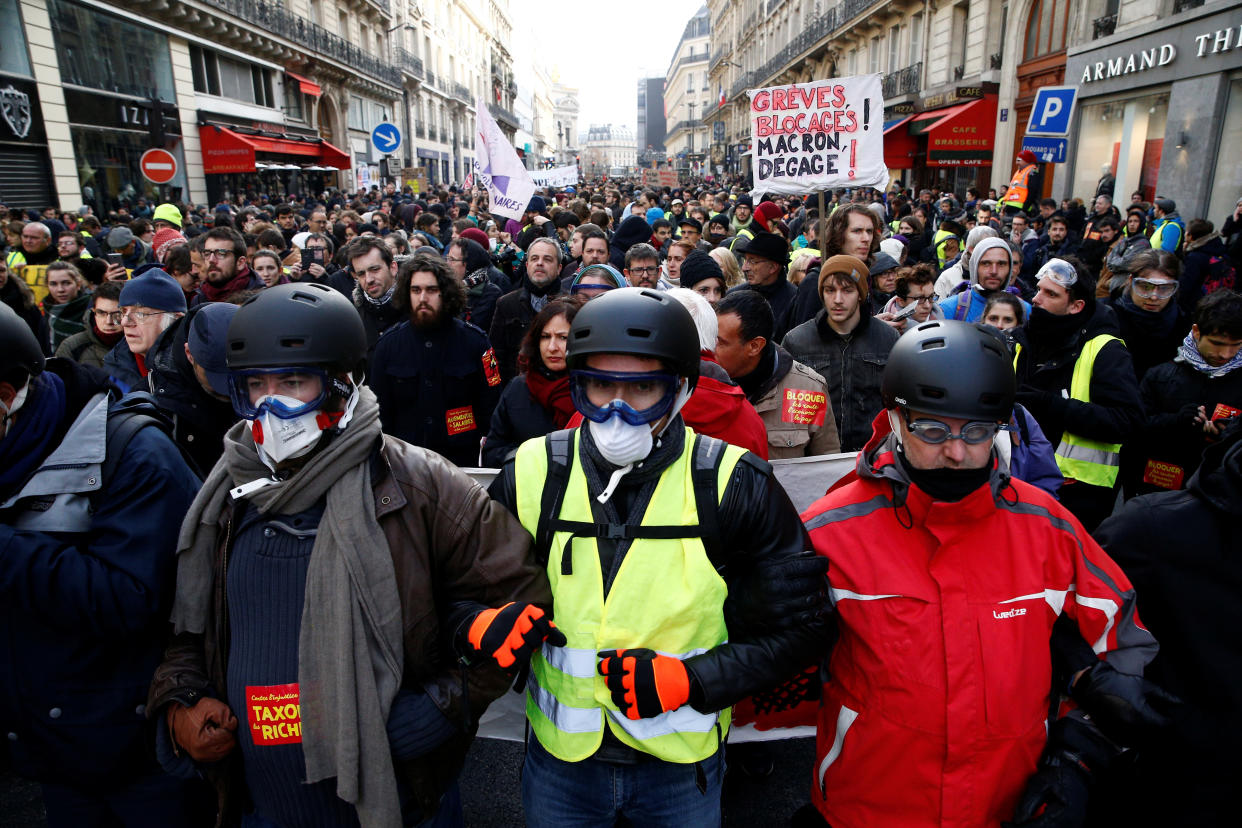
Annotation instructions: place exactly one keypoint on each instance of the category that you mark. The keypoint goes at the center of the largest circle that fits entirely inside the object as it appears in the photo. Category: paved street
(493, 799)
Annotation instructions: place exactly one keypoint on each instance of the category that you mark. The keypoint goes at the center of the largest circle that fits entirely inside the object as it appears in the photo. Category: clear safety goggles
(1059, 271)
(934, 432)
(1149, 289)
(639, 398)
(240, 383)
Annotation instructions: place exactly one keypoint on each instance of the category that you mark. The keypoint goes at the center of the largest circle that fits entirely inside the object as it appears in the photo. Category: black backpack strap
(559, 445)
(708, 454)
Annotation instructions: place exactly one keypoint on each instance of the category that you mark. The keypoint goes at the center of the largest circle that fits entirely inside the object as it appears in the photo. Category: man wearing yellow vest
(1076, 377)
(680, 575)
(1026, 186)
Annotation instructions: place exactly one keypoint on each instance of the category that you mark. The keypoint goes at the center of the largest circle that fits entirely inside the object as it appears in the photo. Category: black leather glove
(1188, 417)
(1056, 795)
(1040, 403)
(782, 594)
(1125, 707)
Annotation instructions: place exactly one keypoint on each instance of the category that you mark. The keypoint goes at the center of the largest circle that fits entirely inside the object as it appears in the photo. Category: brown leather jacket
(455, 551)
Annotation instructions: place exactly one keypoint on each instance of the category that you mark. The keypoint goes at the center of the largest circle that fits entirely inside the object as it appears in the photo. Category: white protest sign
(497, 167)
(566, 176)
(808, 137)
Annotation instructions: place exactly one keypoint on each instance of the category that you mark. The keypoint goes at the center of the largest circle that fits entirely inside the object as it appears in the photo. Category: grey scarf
(350, 656)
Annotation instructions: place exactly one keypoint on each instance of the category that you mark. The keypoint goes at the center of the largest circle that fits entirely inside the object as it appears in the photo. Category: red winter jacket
(721, 411)
(935, 712)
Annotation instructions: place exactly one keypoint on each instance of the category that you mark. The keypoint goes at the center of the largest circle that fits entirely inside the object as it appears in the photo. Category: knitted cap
(850, 266)
(154, 289)
(699, 266)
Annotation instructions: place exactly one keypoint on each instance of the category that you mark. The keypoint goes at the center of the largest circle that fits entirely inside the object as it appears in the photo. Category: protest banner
(660, 178)
(566, 176)
(815, 136)
(498, 168)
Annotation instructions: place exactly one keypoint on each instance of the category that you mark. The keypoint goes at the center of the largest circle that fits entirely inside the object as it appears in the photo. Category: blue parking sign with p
(1053, 110)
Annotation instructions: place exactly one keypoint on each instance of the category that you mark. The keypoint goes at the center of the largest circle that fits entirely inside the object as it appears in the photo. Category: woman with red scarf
(536, 402)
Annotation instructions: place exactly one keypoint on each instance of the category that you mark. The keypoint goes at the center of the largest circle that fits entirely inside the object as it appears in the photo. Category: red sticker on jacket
(491, 368)
(274, 714)
(804, 407)
(1224, 412)
(1164, 475)
(458, 420)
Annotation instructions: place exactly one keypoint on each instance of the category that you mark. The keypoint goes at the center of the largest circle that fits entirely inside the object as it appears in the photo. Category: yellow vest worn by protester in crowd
(1087, 461)
(938, 241)
(667, 597)
(1019, 188)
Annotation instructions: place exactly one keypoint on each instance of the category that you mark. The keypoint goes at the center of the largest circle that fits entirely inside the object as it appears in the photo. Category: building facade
(649, 138)
(608, 150)
(687, 96)
(565, 111)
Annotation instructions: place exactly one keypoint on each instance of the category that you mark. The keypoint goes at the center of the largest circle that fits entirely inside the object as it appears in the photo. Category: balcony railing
(419, 131)
(434, 80)
(721, 52)
(959, 71)
(1183, 5)
(906, 81)
(409, 63)
(1104, 26)
(819, 29)
(996, 60)
(272, 18)
(462, 93)
(503, 115)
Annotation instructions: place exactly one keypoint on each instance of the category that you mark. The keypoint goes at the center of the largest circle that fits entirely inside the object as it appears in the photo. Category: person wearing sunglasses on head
(1076, 377)
(948, 576)
(681, 580)
(1153, 322)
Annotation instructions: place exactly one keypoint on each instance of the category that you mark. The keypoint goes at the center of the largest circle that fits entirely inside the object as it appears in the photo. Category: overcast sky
(603, 49)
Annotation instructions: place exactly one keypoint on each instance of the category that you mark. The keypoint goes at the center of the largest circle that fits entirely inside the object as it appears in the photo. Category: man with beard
(990, 267)
(765, 261)
(642, 267)
(1076, 377)
(516, 310)
(375, 274)
(847, 347)
(851, 230)
(435, 376)
(225, 270)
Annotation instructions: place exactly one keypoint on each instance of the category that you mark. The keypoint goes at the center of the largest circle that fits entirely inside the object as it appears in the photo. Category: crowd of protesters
(438, 325)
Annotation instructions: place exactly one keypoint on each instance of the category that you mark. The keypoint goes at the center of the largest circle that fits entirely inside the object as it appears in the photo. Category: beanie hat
(477, 235)
(120, 237)
(164, 240)
(883, 263)
(765, 213)
(536, 204)
(1166, 205)
(654, 214)
(745, 199)
(850, 266)
(699, 266)
(154, 289)
(1028, 156)
(170, 213)
(895, 247)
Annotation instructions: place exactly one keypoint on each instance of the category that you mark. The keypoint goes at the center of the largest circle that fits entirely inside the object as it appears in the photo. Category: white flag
(497, 167)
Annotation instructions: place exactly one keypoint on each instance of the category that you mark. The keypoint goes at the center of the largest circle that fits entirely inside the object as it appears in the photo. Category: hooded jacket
(1183, 553)
(1197, 268)
(968, 305)
(935, 709)
(633, 230)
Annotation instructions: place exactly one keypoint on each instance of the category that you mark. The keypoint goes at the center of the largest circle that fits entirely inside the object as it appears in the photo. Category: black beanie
(697, 267)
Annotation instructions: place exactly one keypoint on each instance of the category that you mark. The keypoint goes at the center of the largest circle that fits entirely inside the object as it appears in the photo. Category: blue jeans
(557, 794)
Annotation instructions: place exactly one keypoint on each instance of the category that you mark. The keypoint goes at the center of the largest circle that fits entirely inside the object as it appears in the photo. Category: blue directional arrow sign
(386, 138)
(1047, 150)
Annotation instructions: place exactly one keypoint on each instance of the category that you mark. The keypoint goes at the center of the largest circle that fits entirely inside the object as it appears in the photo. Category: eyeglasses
(934, 432)
(643, 271)
(139, 317)
(217, 252)
(930, 300)
(109, 316)
(1147, 289)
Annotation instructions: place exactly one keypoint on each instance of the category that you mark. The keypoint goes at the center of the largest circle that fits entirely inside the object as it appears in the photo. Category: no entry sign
(158, 166)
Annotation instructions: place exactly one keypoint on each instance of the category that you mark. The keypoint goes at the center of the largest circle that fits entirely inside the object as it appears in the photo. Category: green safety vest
(667, 597)
(938, 243)
(1087, 461)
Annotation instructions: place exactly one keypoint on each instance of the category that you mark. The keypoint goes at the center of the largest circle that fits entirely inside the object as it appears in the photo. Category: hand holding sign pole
(818, 135)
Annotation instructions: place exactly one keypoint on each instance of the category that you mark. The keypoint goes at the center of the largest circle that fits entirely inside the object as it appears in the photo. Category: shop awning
(899, 146)
(964, 137)
(227, 151)
(923, 121)
(308, 86)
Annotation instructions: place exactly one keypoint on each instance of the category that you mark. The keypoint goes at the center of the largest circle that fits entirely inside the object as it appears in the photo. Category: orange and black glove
(510, 635)
(644, 683)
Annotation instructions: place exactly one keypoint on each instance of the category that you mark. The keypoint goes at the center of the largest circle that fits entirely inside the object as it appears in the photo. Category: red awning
(899, 146)
(226, 151)
(963, 137)
(308, 86)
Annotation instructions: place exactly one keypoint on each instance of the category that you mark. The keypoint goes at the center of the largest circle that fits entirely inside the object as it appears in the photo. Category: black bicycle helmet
(950, 368)
(301, 324)
(19, 349)
(636, 321)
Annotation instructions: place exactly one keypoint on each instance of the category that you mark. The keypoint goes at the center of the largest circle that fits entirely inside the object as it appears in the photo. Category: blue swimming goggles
(657, 389)
(239, 392)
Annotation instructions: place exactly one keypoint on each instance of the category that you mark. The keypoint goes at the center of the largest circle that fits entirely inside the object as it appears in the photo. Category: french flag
(722, 96)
